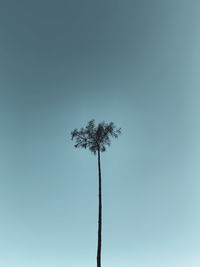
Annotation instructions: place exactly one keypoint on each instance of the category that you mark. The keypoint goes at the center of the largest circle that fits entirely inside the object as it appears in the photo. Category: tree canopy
(95, 137)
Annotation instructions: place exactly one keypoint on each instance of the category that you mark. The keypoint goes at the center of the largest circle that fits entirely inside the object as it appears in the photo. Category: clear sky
(133, 62)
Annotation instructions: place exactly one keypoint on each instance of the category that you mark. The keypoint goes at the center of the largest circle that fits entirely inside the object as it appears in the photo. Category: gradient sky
(134, 62)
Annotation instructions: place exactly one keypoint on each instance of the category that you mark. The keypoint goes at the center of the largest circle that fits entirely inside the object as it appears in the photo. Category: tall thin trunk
(100, 216)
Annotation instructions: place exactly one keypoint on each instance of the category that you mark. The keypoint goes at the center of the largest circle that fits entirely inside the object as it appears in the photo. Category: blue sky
(64, 63)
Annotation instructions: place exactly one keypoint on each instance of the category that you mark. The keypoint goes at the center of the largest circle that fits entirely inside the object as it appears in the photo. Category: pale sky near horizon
(133, 62)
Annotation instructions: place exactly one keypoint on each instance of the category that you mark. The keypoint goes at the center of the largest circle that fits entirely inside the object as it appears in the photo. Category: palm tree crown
(95, 137)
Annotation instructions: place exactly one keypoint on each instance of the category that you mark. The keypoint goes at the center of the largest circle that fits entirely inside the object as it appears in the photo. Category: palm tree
(96, 138)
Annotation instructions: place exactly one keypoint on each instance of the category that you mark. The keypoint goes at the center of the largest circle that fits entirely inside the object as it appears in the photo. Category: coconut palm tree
(96, 138)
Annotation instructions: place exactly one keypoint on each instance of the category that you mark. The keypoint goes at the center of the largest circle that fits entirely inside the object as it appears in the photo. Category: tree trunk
(100, 216)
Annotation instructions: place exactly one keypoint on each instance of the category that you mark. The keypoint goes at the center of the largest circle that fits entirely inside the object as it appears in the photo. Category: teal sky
(133, 62)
